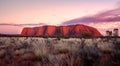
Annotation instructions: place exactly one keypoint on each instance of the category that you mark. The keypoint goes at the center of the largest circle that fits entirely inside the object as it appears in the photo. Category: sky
(16, 14)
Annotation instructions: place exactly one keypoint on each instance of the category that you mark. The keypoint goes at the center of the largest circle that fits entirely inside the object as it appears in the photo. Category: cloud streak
(112, 15)
(7, 24)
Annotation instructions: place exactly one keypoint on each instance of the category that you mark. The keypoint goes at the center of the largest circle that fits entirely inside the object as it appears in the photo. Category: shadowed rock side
(78, 30)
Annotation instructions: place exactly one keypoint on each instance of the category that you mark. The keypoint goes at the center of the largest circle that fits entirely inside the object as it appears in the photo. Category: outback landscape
(59, 33)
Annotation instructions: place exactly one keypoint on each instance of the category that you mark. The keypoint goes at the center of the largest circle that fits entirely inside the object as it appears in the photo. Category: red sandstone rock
(28, 31)
(40, 31)
(70, 30)
(64, 30)
(24, 31)
(50, 30)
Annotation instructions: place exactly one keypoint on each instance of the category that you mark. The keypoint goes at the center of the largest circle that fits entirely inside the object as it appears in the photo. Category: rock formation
(78, 30)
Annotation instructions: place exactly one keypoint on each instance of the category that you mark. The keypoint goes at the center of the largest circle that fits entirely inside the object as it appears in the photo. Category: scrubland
(35, 51)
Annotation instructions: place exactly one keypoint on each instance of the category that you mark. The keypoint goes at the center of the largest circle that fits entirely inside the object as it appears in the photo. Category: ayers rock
(71, 30)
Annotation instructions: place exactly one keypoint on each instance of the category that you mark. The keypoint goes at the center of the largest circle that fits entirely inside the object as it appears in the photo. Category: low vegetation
(35, 51)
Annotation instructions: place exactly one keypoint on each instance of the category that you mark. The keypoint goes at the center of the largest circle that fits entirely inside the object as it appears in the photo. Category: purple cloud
(112, 15)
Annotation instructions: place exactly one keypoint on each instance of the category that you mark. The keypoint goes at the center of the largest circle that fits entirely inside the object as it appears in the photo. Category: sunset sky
(16, 14)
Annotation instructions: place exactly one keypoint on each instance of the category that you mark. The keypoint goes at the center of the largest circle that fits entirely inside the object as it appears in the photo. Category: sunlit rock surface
(70, 30)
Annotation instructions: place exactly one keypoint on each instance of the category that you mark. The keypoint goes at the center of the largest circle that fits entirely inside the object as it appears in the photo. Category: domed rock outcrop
(78, 30)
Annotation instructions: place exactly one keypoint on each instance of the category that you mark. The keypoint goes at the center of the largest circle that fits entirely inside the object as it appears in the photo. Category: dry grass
(40, 50)
(54, 50)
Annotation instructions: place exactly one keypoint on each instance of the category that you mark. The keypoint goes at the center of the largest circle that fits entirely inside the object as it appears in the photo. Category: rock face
(28, 31)
(78, 30)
